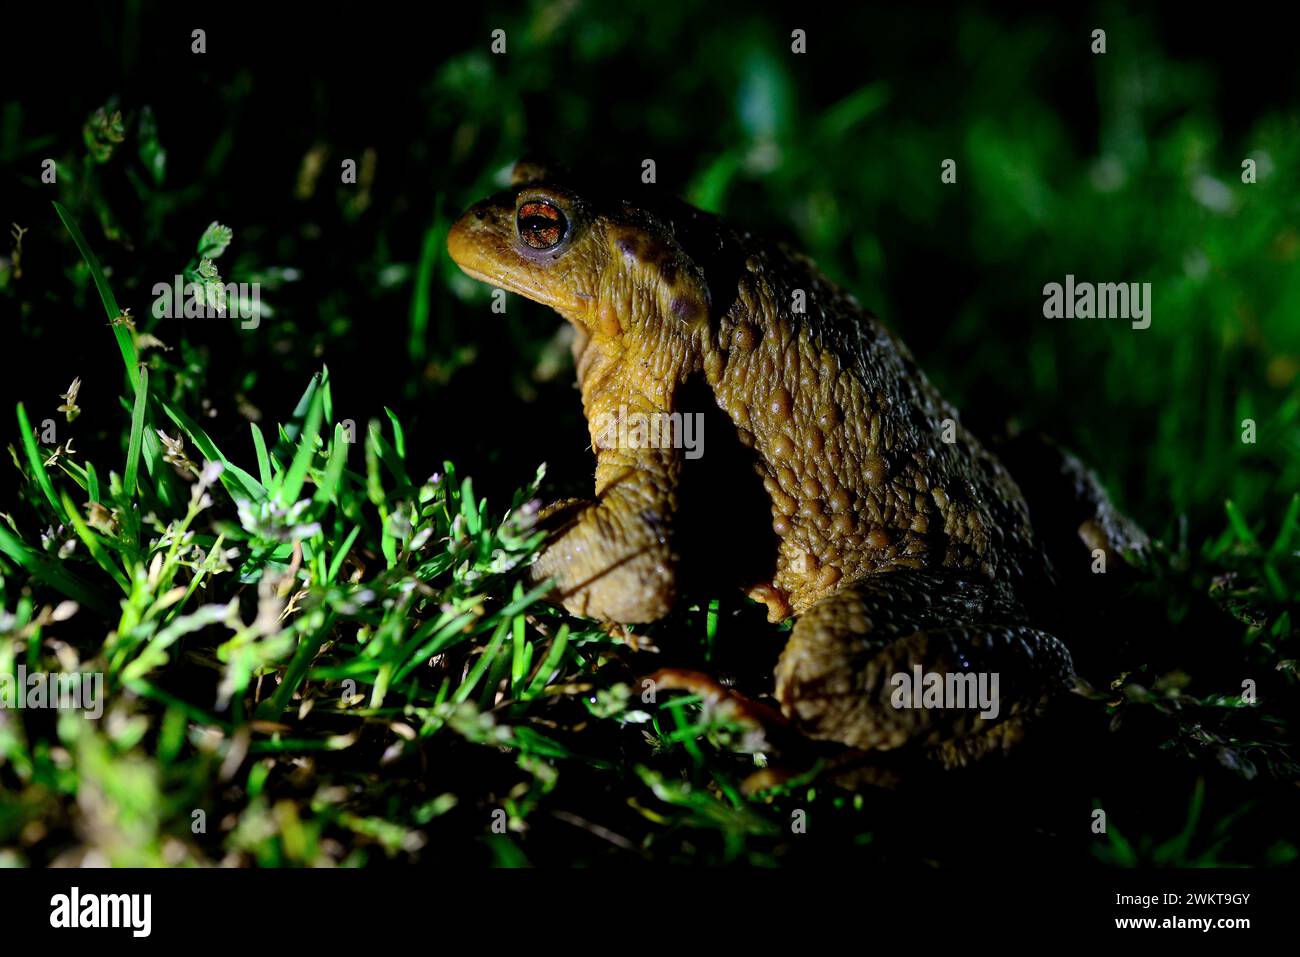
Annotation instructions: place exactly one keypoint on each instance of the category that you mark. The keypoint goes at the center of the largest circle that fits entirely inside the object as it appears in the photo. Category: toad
(901, 545)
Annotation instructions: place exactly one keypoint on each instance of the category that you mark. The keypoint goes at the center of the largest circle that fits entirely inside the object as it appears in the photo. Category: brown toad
(899, 541)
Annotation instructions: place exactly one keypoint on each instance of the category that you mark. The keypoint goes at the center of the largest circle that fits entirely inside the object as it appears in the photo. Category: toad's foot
(610, 560)
(1073, 516)
(922, 659)
(759, 726)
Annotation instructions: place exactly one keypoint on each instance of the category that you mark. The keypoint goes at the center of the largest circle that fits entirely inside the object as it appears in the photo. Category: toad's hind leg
(837, 677)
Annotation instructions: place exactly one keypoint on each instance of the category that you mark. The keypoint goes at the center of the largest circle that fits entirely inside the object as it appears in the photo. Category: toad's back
(867, 467)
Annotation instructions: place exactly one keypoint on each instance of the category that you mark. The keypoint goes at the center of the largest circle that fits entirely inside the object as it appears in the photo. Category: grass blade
(37, 463)
(232, 476)
(95, 547)
(136, 442)
(54, 574)
(125, 341)
(263, 459)
(292, 482)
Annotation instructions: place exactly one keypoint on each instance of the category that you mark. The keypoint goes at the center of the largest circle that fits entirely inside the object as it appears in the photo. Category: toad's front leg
(613, 558)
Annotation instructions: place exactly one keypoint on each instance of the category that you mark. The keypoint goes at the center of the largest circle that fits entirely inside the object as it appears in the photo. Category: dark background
(958, 271)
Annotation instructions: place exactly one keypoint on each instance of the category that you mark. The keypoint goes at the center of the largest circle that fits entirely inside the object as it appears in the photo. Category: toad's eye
(541, 225)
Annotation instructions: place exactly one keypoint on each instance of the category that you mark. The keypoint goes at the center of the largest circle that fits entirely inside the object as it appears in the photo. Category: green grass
(315, 652)
(330, 605)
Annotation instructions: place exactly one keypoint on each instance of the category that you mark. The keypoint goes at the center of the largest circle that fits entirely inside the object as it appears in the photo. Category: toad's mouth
(571, 308)
(503, 280)
(489, 263)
